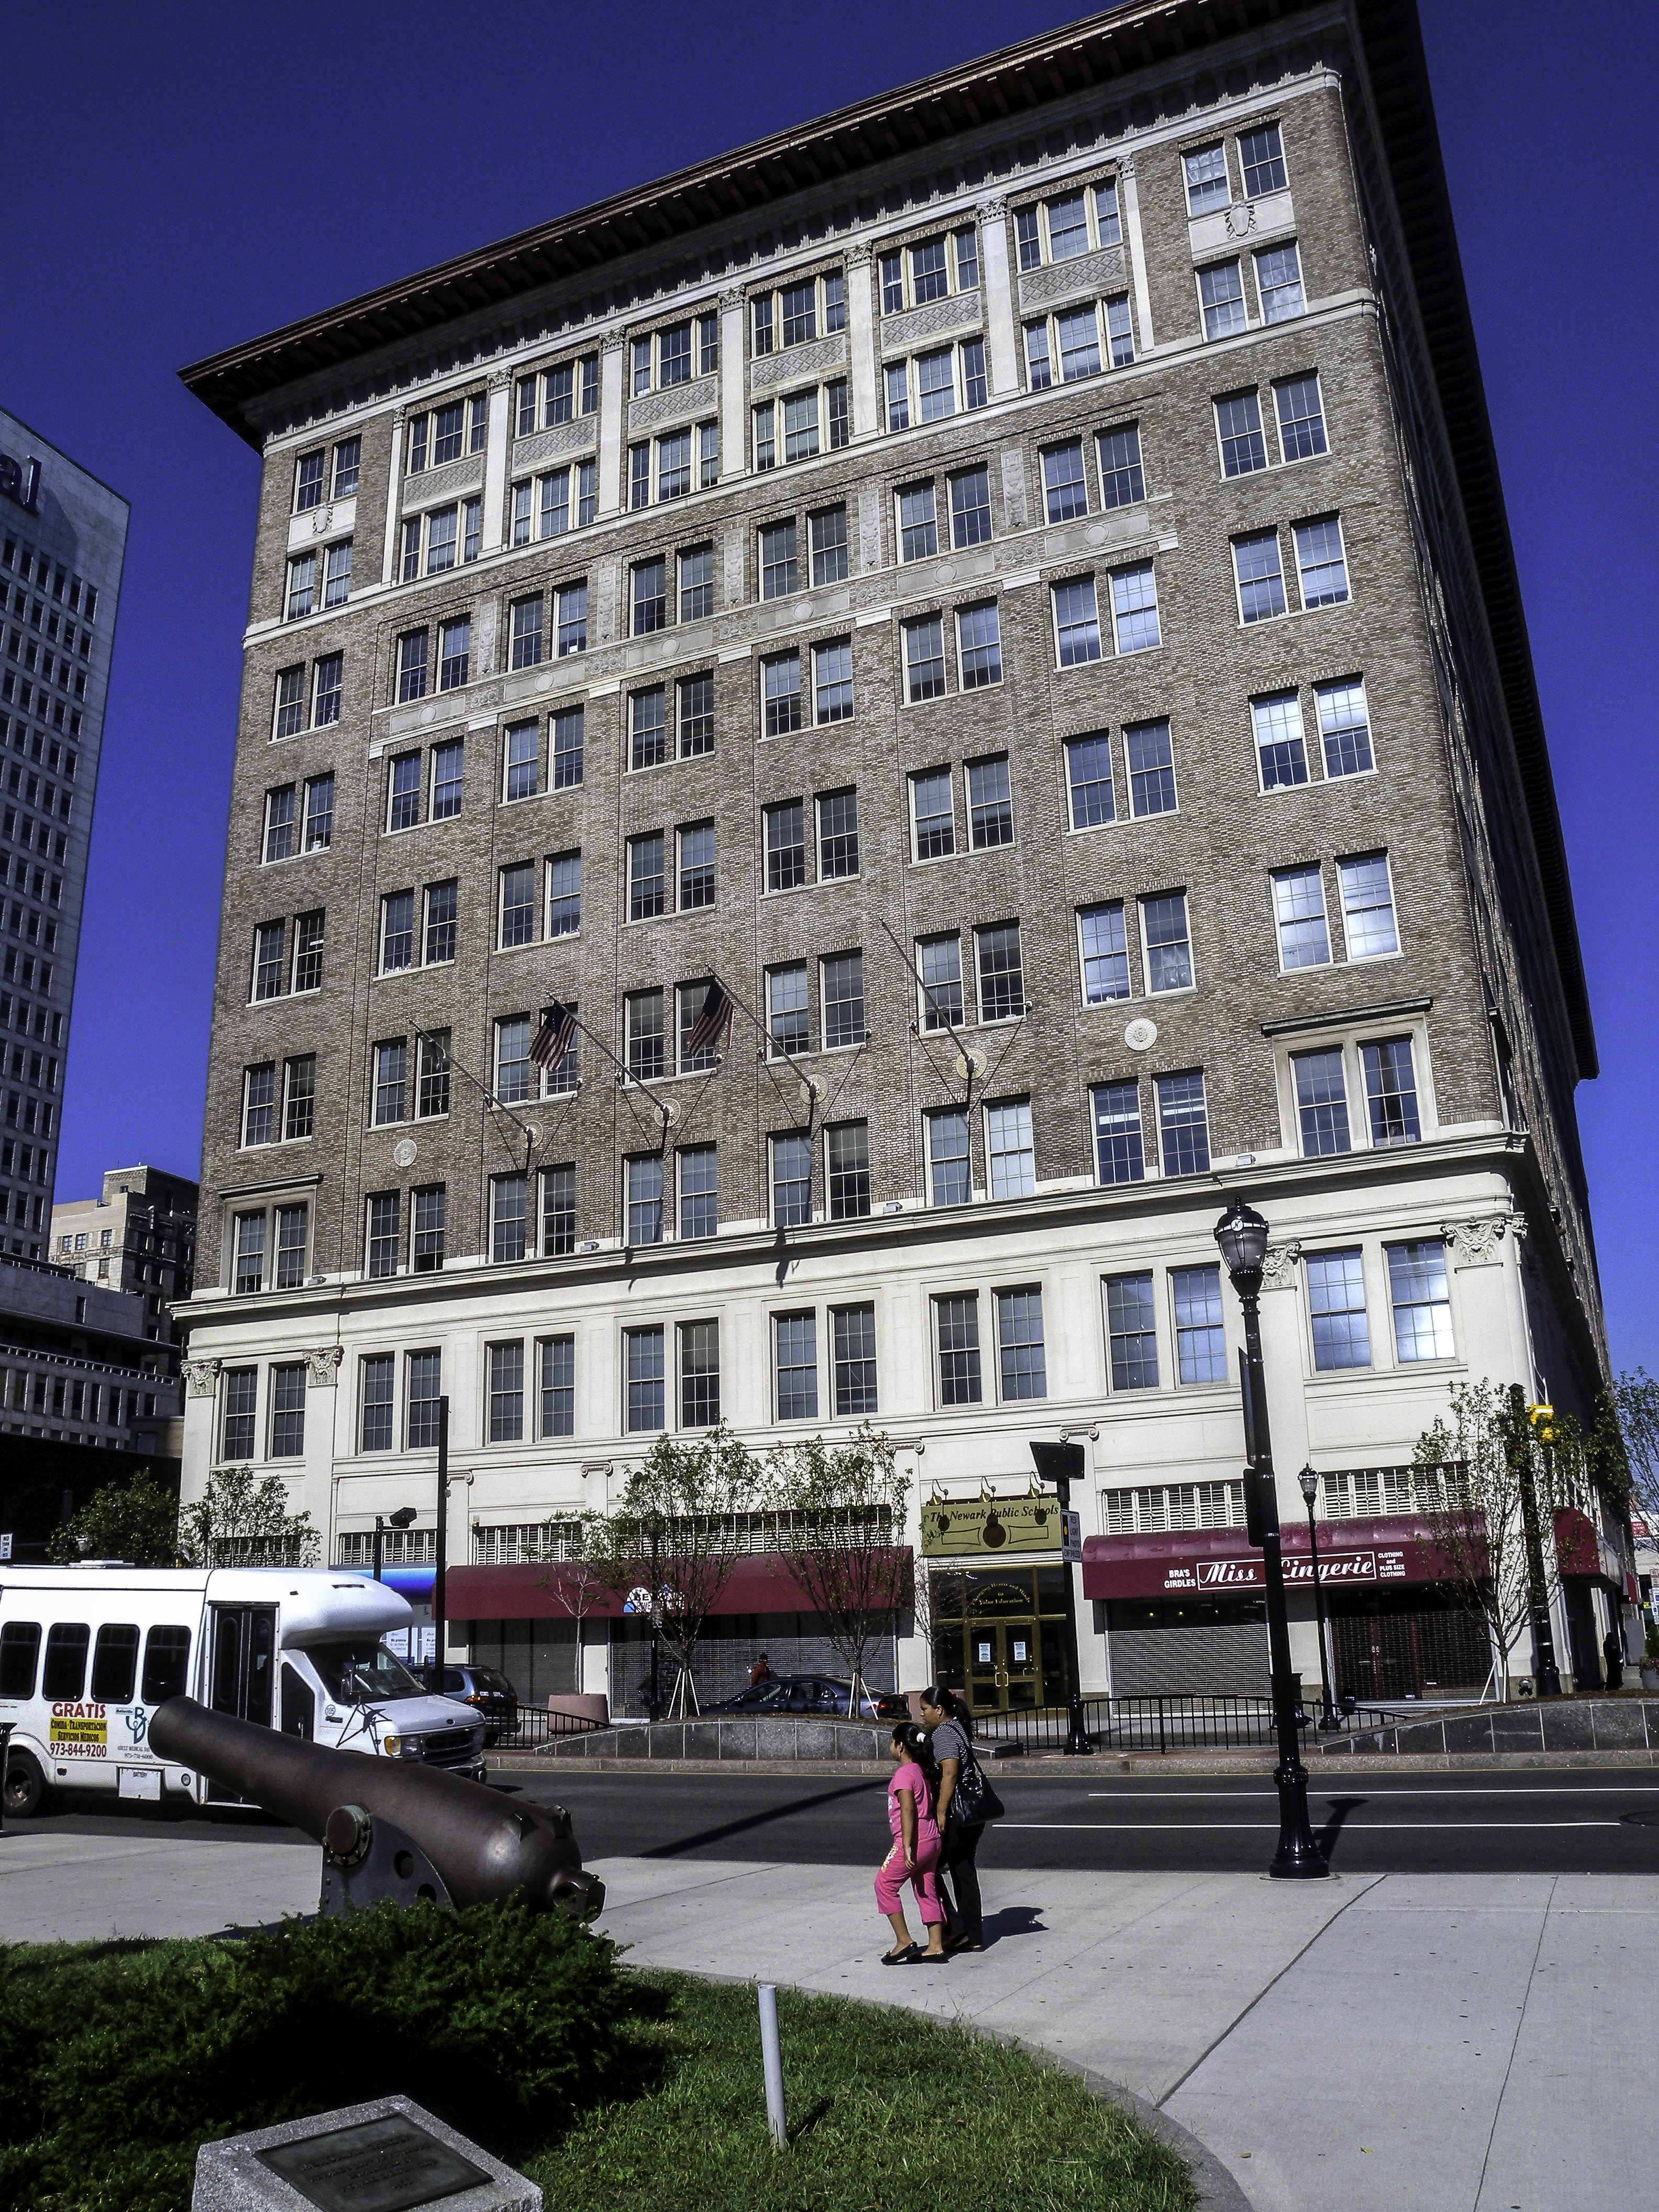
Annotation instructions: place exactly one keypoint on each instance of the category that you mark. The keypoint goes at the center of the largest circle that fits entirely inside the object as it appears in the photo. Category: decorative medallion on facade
(403, 1152)
(1141, 1035)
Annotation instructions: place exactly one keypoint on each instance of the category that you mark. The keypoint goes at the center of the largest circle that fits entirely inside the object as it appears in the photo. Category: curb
(1214, 2186)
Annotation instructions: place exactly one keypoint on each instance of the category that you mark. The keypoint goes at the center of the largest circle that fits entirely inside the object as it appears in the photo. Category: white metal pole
(772, 2064)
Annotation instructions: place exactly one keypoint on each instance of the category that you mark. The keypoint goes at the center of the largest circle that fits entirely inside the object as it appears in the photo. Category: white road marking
(1213, 1827)
(1526, 1789)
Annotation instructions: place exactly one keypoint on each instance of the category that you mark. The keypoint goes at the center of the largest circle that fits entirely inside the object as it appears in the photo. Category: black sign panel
(388, 2164)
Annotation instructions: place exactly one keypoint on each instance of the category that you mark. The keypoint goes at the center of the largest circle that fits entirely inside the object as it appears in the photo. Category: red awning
(1584, 1553)
(1219, 1563)
(761, 1582)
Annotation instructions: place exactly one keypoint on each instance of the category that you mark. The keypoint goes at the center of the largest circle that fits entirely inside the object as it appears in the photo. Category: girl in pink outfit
(915, 1851)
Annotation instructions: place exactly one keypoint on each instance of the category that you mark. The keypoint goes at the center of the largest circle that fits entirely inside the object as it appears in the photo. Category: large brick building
(1012, 581)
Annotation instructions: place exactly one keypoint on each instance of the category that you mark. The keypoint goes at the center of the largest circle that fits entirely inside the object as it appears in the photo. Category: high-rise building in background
(62, 540)
(1010, 584)
(137, 1234)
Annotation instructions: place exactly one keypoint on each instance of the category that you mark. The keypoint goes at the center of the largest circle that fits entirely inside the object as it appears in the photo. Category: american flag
(555, 1036)
(714, 1021)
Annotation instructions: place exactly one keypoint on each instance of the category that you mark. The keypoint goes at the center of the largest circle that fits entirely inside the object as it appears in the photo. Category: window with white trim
(1368, 927)
(1078, 221)
(1304, 938)
(1009, 1155)
(929, 269)
(1074, 343)
(558, 394)
(801, 425)
(795, 313)
(1419, 1294)
(942, 381)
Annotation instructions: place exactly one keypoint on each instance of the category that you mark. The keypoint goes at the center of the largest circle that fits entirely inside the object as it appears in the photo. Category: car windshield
(766, 1693)
(488, 1679)
(357, 1674)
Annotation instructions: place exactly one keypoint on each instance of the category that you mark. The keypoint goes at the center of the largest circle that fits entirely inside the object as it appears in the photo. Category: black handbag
(973, 1802)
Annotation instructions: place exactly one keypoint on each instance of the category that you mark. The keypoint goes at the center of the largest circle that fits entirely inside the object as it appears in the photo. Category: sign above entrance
(997, 1524)
(1249, 1573)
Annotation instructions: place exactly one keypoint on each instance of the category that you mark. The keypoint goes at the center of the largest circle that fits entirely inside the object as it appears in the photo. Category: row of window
(1140, 781)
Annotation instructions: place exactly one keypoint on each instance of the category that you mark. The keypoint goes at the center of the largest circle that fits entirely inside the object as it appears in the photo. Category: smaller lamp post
(1063, 1464)
(401, 1519)
(1328, 1722)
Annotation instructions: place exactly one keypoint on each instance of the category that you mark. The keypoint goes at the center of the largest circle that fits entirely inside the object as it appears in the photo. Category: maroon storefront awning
(761, 1582)
(1584, 1553)
(1388, 1552)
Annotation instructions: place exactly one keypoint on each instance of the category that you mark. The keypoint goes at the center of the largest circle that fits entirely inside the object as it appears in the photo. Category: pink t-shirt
(910, 1777)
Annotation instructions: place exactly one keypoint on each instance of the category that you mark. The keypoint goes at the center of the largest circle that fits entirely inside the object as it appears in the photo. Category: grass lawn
(613, 2088)
(888, 2112)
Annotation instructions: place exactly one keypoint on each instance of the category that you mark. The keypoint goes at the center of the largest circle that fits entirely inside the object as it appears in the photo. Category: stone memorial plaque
(391, 2164)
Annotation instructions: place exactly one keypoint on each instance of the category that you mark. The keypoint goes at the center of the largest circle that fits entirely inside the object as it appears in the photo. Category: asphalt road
(1565, 1820)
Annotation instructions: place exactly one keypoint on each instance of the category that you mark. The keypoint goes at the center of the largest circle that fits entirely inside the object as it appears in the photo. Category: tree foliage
(667, 1548)
(135, 1522)
(1635, 1414)
(840, 1511)
(239, 1523)
(1495, 1476)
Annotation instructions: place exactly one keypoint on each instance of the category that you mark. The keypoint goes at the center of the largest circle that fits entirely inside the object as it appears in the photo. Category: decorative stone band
(431, 487)
(679, 400)
(547, 445)
(1105, 272)
(201, 1376)
(796, 363)
(1474, 1243)
(963, 311)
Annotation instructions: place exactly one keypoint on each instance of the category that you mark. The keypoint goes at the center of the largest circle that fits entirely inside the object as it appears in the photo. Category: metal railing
(536, 1725)
(1172, 1722)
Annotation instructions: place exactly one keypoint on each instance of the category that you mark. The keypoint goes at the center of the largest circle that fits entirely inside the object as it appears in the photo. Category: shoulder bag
(973, 1802)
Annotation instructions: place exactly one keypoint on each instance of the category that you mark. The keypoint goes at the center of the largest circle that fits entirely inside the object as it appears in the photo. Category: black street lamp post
(441, 1563)
(1327, 1720)
(1241, 1235)
(1063, 1464)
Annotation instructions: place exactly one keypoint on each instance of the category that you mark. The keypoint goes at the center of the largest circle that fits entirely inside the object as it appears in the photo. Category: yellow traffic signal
(1542, 1420)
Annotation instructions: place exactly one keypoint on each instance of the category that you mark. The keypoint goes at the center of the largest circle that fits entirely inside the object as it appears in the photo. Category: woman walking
(914, 1856)
(945, 1714)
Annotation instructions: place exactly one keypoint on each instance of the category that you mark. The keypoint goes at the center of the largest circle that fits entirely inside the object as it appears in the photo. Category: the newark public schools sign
(1250, 1574)
(1002, 1524)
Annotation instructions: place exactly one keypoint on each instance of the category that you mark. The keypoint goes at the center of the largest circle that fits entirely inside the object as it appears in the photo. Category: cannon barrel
(483, 1848)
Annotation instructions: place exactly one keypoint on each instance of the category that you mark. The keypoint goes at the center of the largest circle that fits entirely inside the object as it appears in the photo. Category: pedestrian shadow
(1330, 1833)
(1012, 1920)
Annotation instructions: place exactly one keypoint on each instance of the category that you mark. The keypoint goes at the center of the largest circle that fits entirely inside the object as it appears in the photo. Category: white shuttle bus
(88, 1652)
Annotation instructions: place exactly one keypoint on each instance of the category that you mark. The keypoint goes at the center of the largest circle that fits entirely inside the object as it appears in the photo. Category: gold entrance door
(1004, 1675)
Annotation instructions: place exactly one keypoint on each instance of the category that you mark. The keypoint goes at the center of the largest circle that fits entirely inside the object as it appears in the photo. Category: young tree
(1635, 1416)
(668, 1547)
(841, 1520)
(135, 1522)
(1501, 1488)
(239, 1523)
(580, 1584)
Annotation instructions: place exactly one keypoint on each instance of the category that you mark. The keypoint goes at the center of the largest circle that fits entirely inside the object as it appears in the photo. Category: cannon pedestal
(366, 1861)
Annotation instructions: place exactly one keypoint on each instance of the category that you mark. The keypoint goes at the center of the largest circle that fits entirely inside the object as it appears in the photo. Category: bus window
(20, 1648)
(166, 1664)
(299, 1706)
(64, 1677)
(115, 1663)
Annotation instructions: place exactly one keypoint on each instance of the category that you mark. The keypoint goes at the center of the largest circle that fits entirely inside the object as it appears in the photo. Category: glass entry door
(244, 1672)
(1003, 1675)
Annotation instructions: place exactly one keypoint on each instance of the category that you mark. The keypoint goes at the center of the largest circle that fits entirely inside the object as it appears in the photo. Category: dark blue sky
(180, 177)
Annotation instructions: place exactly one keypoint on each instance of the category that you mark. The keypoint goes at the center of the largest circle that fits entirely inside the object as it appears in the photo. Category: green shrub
(117, 2061)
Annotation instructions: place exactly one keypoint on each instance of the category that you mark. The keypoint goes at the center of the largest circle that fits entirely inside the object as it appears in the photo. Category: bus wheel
(26, 1787)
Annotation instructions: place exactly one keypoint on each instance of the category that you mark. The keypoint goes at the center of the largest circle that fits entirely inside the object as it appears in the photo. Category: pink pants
(890, 1878)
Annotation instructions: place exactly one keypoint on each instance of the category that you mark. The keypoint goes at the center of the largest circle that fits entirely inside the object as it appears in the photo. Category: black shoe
(904, 1958)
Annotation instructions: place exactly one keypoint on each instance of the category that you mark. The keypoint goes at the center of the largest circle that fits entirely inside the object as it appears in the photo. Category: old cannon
(389, 1827)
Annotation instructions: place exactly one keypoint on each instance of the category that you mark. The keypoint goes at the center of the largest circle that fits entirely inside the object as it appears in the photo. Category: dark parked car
(812, 1693)
(489, 1692)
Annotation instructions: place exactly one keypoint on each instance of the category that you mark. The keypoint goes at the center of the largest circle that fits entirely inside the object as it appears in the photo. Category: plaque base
(388, 2155)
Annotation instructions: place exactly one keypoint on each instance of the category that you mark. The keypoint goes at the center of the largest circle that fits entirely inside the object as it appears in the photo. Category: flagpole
(426, 1036)
(926, 990)
(662, 1105)
(810, 1083)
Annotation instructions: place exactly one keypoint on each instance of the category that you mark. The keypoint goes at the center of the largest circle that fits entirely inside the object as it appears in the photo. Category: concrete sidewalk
(1396, 2043)
(1383, 2043)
